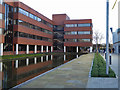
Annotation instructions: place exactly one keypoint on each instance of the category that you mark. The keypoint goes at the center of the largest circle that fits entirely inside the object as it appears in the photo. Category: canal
(15, 72)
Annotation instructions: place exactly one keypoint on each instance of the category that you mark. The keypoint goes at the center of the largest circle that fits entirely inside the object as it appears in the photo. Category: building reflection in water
(15, 72)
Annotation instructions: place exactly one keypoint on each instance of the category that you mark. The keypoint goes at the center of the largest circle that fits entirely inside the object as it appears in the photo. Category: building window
(1, 16)
(71, 33)
(39, 19)
(84, 25)
(74, 33)
(70, 40)
(83, 32)
(20, 22)
(15, 9)
(83, 40)
(30, 36)
(31, 16)
(1, 1)
(71, 25)
(1, 31)
(23, 12)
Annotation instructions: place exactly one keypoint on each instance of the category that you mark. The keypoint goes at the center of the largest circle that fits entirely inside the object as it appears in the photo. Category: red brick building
(23, 31)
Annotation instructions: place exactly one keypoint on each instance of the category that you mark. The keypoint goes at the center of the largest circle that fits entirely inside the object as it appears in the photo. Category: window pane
(84, 25)
(15, 9)
(71, 25)
(23, 12)
(1, 16)
(73, 33)
(1, 1)
(1, 31)
(39, 20)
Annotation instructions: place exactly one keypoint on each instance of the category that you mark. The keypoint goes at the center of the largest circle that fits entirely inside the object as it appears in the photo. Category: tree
(97, 37)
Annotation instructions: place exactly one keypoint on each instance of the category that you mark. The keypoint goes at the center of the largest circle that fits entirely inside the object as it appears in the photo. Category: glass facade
(71, 33)
(77, 32)
(8, 31)
(23, 12)
(79, 25)
(77, 40)
(84, 32)
(16, 9)
(84, 25)
(23, 23)
(71, 25)
(30, 36)
(83, 40)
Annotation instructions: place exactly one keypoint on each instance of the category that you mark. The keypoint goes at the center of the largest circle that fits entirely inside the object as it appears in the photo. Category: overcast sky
(79, 9)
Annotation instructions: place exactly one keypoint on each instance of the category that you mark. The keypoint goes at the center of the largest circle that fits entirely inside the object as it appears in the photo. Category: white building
(116, 41)
(116, 35)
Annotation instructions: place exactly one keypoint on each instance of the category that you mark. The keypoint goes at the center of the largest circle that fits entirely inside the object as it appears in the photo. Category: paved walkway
(71, 75)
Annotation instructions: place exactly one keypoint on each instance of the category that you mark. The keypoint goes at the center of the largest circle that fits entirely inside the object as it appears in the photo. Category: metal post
(107, 37)
(110, 59)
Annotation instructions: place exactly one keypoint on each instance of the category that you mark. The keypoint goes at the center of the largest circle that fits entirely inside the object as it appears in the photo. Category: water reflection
(15, 72)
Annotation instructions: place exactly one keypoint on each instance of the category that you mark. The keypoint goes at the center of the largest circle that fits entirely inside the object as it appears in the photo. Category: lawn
(99, 67)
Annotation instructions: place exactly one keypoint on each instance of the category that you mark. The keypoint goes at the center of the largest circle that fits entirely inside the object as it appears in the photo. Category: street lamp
(107, 37)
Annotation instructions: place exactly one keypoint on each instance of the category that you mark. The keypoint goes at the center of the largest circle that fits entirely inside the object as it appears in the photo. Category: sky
(80, 9)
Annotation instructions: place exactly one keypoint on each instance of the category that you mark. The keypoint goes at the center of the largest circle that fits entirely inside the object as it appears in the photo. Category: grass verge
(6, 57)
(20, 56)
(99, 67)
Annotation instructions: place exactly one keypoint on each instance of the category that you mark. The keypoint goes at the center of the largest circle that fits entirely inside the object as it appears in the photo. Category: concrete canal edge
(28, 81)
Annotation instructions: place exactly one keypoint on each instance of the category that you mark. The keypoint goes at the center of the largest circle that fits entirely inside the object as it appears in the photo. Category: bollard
(110, 60)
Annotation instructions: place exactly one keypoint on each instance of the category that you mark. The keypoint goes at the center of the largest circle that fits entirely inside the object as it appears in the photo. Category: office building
(25, 31)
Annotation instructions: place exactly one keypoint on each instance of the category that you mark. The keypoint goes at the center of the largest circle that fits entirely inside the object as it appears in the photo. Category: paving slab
(71, 75)
(102, 83)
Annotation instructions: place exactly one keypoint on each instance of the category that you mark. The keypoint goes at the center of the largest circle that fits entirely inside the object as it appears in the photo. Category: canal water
(15, 72)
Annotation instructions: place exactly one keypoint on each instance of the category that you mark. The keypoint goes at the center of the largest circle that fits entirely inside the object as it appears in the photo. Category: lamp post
(107, 37)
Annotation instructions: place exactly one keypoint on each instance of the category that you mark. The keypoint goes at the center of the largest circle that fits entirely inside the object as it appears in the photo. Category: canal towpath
(73, 74)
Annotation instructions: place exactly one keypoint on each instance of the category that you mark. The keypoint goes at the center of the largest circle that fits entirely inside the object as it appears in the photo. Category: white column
(46, 57)
(46, 48)
(35, 60)
(41, 58)
(27, 61)
(1, 66)
(64, 57)
(51, 57)
(64, 48)
(35, 49)
(51, 48)
(90, 49)
(77, 49)
(1, 49)
(42, 48)
(27, 50)
(16, 49)
(16, 63)
(77, 56)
